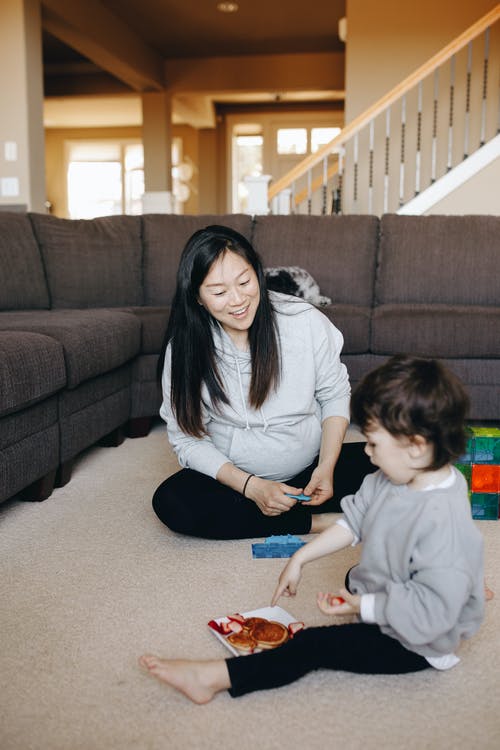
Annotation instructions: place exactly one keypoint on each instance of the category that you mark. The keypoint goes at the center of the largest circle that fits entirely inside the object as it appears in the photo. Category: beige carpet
(90, 580)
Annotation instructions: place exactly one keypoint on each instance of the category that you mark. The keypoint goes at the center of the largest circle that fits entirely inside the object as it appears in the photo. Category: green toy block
(466, 470)
(485, 505)
(486, 450)
(493, 432)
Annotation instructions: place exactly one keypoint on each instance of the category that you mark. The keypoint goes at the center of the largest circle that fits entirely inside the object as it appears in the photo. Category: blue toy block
(277, 546)
(301, 498)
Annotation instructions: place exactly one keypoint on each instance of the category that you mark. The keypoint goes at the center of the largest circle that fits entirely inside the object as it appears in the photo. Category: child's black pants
(356, 647)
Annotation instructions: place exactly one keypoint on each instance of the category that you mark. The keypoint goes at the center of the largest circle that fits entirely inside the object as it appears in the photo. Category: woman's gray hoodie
(283, 436)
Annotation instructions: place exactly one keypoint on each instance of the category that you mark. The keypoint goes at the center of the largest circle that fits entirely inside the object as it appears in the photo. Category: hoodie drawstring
(266, 423)
(247, 427)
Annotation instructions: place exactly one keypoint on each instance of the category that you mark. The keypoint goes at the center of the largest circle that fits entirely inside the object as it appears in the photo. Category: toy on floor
(277, 546)
(481, 467)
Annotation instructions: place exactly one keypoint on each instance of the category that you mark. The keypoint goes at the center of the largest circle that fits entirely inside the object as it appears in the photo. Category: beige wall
(479, 195)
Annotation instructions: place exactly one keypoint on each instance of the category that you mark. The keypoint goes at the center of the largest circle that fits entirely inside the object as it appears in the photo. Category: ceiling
(111, 48)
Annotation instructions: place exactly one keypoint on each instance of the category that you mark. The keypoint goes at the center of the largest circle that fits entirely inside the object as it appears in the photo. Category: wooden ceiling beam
(96, 33)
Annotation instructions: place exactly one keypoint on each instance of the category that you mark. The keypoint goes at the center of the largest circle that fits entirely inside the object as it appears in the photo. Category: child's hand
(288, 580)
(342, 603)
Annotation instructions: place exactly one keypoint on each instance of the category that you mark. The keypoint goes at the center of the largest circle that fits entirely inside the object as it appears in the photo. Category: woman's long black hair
(189, 331)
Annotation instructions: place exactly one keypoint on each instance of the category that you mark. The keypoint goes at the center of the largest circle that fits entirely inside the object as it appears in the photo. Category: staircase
(426, 129)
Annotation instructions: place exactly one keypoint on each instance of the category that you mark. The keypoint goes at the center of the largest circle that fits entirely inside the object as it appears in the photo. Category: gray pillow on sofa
(91, 263)
(22, 279)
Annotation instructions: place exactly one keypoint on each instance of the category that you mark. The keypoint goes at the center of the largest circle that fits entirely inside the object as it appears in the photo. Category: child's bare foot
(198, 680)
(488, 593)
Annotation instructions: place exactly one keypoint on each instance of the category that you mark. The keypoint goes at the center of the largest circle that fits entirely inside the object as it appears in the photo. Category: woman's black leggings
(197, 505)
(355, 647)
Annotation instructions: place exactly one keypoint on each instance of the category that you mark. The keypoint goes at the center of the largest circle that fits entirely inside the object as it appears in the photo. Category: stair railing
(427, 124)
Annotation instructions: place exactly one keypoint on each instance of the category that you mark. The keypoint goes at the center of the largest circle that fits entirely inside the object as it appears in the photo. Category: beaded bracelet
(246, 482)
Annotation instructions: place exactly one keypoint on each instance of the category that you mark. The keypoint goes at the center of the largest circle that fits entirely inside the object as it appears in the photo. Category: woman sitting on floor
(256, 401)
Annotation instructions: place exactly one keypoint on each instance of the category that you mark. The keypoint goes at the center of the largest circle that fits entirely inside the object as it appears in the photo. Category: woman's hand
(270, 496)
(343, 603)
(288, 580)
(320, 485)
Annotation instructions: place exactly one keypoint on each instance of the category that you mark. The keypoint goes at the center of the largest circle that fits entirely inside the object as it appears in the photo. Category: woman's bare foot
(488, 593)
(198, 680)
(322, 521)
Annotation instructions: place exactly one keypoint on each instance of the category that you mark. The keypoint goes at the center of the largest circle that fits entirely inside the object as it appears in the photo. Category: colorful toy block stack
(481, 467)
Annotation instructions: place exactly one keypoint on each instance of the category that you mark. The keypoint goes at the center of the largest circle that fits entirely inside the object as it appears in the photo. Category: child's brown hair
(411, 396)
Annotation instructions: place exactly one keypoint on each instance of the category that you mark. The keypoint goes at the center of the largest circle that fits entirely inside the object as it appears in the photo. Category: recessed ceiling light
(227, 7)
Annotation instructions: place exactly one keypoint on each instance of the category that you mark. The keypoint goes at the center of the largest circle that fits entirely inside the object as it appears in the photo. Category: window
(292, 141)
(247, 161)
(104, 178)
(320, 136)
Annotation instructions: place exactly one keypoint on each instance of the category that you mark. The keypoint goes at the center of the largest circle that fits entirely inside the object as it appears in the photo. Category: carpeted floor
(90, 580)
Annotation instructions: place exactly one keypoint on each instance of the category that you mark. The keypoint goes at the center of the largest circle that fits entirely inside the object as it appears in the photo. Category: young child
(418, 588)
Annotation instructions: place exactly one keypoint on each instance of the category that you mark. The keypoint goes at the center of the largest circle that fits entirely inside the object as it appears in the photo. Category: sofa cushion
(31, 369)
(439, 259)
(154, 322)
(338, 251)
(94, 341)
(22, 277)
(436, 330)
(91, 263)
(481, 378)
(33, 456)
(354, 323)
(146, 388)
(93, 410)
(164, 239)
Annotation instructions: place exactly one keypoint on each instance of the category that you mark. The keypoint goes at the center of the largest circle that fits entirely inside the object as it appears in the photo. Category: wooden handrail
(385, 101)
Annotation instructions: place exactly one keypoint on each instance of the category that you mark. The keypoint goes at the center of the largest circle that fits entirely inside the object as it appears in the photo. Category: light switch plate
(9, 187)
(10, 151)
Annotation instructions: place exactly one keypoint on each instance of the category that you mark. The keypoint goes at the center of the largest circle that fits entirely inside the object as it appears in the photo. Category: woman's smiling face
(230, 292)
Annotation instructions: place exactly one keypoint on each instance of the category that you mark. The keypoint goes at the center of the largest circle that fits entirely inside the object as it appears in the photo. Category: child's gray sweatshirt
(422, 558)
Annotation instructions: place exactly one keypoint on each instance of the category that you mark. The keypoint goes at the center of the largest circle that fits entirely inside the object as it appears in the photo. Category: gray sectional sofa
(84, 307)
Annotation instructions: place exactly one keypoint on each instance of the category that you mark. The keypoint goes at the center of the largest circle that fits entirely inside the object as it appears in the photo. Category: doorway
(271, 144)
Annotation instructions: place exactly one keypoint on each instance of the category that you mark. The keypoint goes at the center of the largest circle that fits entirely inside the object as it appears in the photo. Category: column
(157, 142)
(22, 144)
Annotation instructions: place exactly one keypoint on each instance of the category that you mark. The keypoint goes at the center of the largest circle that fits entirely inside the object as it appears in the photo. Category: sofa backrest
(22, 278)
(338, 251)
(164, 238)
(91, 263)
(439, 260)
